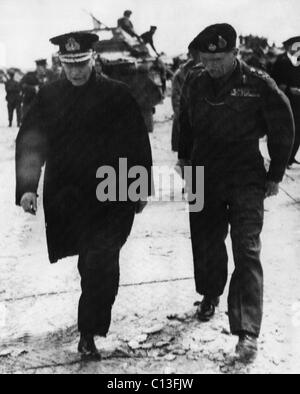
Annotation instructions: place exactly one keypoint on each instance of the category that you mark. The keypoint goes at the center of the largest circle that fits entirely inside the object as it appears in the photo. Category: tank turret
(127, 59)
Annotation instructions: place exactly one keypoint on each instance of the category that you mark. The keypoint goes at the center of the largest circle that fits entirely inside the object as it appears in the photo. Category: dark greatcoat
(75, 130)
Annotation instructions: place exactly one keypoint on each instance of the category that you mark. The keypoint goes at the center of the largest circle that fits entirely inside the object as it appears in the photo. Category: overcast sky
(27, 25)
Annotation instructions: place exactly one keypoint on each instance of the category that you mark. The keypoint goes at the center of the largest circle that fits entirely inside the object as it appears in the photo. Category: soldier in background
(192, 65)
(56, 67)
(286, 72)
(13, 97)
(126, 24)
(33, 81)
(147, 37)
(257, 59)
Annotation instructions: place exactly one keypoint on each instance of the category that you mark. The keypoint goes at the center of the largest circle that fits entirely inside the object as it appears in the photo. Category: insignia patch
(244, 93)
(212, 47)
(72, 45)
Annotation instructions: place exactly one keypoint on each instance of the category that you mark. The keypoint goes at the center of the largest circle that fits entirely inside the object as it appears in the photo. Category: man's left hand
(272, 189)
(140, 206)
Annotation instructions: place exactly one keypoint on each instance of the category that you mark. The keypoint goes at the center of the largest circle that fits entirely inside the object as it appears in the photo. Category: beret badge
(212, 47)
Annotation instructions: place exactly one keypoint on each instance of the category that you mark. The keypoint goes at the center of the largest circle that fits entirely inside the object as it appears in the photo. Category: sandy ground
(154, 329)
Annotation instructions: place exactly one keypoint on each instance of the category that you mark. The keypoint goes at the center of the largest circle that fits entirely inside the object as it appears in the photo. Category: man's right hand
(29, 203)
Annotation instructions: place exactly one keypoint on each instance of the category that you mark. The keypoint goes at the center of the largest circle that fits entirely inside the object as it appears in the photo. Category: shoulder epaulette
(259, 73)
(265, 77)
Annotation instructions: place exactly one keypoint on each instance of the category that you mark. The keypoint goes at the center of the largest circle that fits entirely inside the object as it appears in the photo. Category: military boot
(88, 349)
(247, 348)
(207, 308)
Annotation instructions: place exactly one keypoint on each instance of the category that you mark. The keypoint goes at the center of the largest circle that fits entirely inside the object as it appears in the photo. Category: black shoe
(246, 348)
(206, 310)
(9, 125)
(88, 349)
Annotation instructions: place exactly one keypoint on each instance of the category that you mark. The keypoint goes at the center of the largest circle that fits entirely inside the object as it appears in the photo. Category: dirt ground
(154, 329)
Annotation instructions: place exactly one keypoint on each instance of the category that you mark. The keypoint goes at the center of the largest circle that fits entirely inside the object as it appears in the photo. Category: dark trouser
(11, 107)
(99, 270)
(243, 208)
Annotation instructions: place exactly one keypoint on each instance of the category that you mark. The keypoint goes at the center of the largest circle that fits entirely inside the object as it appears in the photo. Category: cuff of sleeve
(20, 194)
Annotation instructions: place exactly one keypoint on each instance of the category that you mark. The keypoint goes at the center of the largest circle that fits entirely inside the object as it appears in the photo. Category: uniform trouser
(99, 271)
(98, 266)
(11, 107)
(242, 208)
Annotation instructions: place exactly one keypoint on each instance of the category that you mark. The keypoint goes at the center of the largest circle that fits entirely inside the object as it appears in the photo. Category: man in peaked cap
(224, 112)
(33, 81)
(286, 72)
(78, 126)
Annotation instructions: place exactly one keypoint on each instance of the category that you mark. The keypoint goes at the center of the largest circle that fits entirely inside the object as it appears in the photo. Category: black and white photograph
(150, 190)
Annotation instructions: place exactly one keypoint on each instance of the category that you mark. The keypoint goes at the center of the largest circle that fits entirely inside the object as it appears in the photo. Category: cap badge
(72, 45)
(222, 43)
(212, 47)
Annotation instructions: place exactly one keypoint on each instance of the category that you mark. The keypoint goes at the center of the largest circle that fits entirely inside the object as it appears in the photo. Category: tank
(126, 59)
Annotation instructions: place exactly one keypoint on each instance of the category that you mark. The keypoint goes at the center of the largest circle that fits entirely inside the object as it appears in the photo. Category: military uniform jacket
(221, 126)
(13, 91)
(76, 130)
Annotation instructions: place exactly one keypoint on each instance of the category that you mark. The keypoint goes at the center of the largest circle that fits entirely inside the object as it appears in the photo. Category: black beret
(215, 39)
(291, 41)
(75, 47)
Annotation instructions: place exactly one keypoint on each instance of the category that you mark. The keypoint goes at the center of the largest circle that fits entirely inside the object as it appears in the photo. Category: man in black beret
(224, 112)
(79, 126)
(286, 72)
